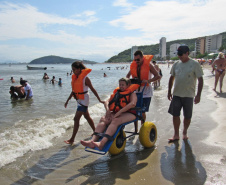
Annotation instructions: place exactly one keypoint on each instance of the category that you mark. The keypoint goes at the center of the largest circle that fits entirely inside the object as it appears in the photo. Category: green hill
(125, 56)
(58, 60)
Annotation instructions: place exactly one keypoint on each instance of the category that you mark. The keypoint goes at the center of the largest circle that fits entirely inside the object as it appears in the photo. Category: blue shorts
(178, 103)
(82, 108)
(146, 104)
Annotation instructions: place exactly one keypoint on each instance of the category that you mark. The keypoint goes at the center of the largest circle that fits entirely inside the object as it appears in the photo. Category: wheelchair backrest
(139, 106)
(139, 100)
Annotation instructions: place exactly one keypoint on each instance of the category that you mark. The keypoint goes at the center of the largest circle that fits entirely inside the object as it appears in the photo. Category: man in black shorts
(185, 73)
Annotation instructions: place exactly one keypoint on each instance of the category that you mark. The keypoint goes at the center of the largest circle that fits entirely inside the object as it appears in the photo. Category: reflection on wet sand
(106, 170)
(46, 166)
(179, 165)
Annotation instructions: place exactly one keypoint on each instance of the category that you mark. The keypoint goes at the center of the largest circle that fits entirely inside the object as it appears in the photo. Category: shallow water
(33, 152)
(31, 125)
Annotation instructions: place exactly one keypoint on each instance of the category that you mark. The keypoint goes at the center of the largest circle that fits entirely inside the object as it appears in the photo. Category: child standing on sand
(80, 84)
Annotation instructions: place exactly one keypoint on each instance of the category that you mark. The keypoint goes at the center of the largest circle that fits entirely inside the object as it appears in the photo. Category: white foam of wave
(37, 134)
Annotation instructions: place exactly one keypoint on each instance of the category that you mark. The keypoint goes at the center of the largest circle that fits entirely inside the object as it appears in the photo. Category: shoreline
(199, 160)
(217, 136)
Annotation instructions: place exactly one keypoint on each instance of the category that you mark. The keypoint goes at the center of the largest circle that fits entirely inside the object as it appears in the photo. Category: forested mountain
(125, 56)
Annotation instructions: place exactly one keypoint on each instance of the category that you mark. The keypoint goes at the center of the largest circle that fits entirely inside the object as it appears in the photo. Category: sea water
(34, 124)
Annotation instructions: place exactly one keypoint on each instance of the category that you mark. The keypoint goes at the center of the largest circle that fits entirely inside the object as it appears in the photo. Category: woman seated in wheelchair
(118, 111)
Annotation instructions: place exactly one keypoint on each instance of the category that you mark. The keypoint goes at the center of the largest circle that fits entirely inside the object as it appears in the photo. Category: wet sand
(218, 136)
(200, 160)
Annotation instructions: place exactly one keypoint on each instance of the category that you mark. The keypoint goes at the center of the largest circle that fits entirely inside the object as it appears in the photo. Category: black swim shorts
(23, 96)
(177, 103)
(146, 104)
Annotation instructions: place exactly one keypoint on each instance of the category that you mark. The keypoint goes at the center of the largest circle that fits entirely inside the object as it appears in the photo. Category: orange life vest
(77, 84)
(120, 99)
(144, 70)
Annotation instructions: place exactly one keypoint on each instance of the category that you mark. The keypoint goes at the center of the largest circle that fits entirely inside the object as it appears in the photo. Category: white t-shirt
(148, 91)
(86, 96)
(186, 75)
(27, 88)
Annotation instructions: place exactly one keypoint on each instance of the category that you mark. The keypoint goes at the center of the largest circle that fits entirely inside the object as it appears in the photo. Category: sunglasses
(180, 54)
(137, 60)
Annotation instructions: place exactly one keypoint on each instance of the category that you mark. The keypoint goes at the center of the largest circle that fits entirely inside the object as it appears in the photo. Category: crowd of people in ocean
(24, 90)
(53, 80)
(184, 75)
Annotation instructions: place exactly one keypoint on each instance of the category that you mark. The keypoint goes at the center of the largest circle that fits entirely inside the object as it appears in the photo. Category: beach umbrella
(211, 54)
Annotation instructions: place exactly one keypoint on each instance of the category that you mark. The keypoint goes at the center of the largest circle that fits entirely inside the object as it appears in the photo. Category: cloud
(28, 21)
(143, 25)
(89, 48)
(175, 19)
(19, 22)
(122, 3)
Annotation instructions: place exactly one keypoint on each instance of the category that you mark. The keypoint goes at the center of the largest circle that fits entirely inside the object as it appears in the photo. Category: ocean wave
(37, 134)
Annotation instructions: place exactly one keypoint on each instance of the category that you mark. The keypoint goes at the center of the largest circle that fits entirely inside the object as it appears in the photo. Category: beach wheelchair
(117, 142)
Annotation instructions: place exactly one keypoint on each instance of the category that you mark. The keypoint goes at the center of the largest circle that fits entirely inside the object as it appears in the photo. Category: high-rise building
(162, 48)
(200, 45)
(213, 43)
(133, 50)
(208, 44)
(173, 50)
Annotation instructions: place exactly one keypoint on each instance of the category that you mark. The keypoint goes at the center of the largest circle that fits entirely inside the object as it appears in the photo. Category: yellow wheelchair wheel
(148, 134)
(118, 144)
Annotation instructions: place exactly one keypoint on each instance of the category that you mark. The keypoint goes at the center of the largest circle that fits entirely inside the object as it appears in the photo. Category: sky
(99, 29)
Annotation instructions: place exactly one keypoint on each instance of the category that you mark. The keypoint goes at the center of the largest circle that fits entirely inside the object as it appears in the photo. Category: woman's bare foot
(88, 143)
(98, 145)
(70, 142)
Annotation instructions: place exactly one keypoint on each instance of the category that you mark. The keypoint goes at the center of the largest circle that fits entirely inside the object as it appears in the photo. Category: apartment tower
(162, 48)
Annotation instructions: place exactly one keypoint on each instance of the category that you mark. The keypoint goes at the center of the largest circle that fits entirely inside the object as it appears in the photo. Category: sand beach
(199, 160)
(218, 136)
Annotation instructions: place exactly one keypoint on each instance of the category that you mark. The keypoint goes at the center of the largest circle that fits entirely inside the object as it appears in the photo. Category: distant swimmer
(219, 65)
(105, 75)
(45, 76)
(60, 82)
(17, 92)
(52, 81)
(12, 80)
(80, 84)
(27, 88)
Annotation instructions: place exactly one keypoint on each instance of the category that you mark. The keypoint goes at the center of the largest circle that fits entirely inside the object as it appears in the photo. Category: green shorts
(178, 103)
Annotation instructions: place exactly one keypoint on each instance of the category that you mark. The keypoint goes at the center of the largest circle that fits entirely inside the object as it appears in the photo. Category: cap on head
(182, 50)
